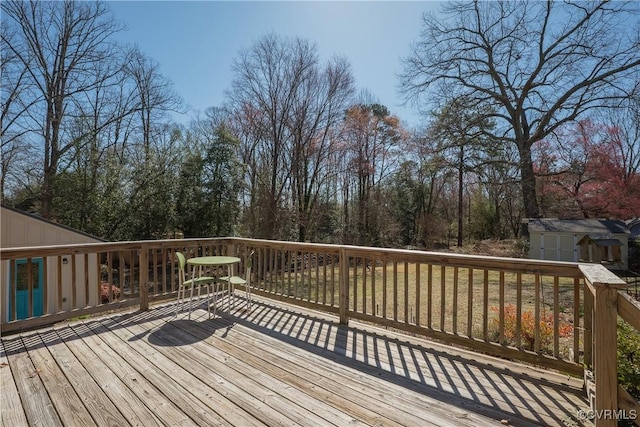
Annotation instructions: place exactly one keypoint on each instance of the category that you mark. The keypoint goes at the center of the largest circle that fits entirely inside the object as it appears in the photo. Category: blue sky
(195, 42)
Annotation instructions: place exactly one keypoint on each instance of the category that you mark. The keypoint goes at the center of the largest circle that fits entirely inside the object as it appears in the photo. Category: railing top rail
(597, 275)
(629, 310)
(79, 248)
(532, 266)
(519, 265)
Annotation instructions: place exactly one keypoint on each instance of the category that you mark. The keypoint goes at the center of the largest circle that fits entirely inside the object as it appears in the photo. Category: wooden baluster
(519, 311)
(455, 301)
(430, 296)
(406, 292)
(417, 321)
(485, 308)
(344, 287)
(384, 288)
(536, 326)
(143, 277)
(501, 339)
(556, 316)
(470, 304)
(59, 272)
(443, 293)
(395, 290)
(373, 286)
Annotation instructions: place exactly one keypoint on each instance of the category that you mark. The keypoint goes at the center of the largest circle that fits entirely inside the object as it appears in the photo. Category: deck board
(11, 410)
(68, 404)
(275, 365)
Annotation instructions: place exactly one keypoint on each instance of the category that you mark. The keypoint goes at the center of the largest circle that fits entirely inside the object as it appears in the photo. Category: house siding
(23, 230)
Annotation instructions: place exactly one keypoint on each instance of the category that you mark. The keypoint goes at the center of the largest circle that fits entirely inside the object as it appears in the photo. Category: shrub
(629, 358)
(527, 328)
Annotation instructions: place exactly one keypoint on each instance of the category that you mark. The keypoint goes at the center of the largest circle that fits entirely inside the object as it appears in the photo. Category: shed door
(567, 247)
(21, 282)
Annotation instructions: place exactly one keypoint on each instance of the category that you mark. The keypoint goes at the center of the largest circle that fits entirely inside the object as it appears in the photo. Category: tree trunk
(460, 187)
(528, 180)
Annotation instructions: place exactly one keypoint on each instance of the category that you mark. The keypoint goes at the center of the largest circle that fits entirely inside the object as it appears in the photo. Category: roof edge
(56, 224)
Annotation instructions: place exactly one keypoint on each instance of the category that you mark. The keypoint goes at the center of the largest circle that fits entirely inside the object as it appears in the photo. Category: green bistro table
(198, 263)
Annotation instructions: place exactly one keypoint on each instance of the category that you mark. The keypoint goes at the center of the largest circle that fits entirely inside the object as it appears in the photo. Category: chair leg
(190, 301)
(219, 291)
(208, 299)
(177, 302)
(182, 299)
(215, 297)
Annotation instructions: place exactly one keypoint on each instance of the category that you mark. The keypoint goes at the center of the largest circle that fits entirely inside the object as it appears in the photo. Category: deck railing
(553, 314)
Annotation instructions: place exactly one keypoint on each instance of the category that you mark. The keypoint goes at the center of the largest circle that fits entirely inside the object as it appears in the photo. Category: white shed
(582, 240)
(21, 229)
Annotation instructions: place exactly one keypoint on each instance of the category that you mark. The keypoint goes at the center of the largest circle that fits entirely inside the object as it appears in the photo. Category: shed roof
(600, 241)
(578, 226)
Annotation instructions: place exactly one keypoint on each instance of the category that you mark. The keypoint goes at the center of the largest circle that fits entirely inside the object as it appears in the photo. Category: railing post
(344, 286)
(143, 276)
(604, 285)
(588, 326)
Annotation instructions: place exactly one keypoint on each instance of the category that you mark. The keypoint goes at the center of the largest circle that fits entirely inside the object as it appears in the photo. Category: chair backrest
(181, 260)
(249, 261)
(247, 265)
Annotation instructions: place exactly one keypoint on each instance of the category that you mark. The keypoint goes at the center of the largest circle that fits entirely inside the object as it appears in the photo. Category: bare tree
(460, 131)
(66, 50)
(286, 109)
(373, 143)
(318, 111)
(267, 77)
(154, 93)
(624, 132)
(14, 105)
(540, 64)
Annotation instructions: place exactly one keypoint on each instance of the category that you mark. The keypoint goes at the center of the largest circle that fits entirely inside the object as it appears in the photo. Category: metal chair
(232, 281)
(199, 282)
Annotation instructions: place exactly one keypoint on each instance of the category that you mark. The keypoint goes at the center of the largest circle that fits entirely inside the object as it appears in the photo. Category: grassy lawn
(446, 299)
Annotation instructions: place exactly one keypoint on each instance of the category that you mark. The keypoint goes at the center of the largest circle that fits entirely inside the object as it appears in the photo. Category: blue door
(21, 282)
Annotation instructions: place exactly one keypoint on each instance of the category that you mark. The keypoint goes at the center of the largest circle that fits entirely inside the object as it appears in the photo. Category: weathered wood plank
(239, 361)
(103, 411)
(68, 404)
(284, 365)
(11, 409)
(39, 410)
(318, 393)
(231, 405)
(198, 401)
(503, 387)
(234, 383)
(122, 383)
(339, 387)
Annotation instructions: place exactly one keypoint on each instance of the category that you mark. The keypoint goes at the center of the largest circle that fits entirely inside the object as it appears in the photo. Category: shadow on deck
(275, 364)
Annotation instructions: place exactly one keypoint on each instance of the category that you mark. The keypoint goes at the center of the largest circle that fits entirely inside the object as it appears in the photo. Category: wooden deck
(274, 365)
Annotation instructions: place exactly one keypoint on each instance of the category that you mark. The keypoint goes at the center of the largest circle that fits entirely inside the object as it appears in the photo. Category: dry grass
(443, 303)
(449, 299)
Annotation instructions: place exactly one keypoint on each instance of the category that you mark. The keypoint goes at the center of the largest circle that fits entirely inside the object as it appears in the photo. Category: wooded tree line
(531, 110)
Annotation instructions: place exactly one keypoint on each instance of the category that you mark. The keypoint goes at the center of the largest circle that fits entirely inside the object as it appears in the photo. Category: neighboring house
(582, 240)
(634, 229)
(21, 229)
